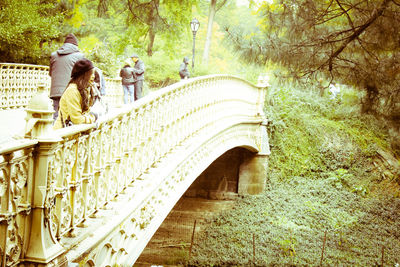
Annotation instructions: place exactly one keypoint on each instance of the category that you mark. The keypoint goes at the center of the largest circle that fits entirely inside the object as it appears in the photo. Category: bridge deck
(12, 123)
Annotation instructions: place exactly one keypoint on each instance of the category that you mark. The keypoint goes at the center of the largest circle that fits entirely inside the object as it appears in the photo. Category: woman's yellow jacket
(70, 108)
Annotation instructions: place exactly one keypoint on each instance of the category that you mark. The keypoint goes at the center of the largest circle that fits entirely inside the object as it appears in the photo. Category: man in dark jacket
(61, 63)
(128, 79)
(183, 69)
(139, 71)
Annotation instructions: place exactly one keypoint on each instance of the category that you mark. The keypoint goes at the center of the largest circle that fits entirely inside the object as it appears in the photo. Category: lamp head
(194, 25)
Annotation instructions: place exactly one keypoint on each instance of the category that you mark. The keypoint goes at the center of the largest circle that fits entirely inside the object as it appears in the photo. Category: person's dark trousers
(138, 89)
(56, 106)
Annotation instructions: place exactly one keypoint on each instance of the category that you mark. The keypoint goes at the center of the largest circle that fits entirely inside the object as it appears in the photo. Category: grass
(289, 222)
(324, 177)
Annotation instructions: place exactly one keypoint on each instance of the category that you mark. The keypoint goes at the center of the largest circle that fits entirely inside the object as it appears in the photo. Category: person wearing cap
(79, 96)
(61, 63)
(139, 69)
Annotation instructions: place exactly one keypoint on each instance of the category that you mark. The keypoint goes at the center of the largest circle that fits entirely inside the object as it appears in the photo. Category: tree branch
(347, 14)
(220, 6)
(375, 14)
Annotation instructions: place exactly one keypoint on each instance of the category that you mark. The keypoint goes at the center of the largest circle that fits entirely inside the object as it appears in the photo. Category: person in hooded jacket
(183, 69)
(128, 78)
(61, 64)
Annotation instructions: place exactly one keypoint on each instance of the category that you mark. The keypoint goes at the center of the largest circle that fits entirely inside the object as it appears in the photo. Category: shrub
(311, 135)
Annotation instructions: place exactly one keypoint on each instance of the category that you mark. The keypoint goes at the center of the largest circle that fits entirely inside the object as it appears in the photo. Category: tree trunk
(211, 15)
(153, 27)
(102, 8)
(152, 36)
(370, 99)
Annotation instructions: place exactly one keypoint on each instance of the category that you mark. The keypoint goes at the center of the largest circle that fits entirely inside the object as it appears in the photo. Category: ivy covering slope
(327, 177)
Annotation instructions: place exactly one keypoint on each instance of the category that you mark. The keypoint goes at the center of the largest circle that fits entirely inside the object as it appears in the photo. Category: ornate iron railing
(60, 187)
(16, 189)
(19, 82)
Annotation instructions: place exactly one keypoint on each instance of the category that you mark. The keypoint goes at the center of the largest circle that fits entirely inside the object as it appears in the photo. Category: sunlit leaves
(23, 26)
(168, 19)
(349, 41)
(274, 7)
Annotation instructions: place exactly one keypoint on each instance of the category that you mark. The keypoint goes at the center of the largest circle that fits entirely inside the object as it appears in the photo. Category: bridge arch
(226, 175)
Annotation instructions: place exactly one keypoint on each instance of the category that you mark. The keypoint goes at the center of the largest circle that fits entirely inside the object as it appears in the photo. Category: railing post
(5, 218)
(42, 245)
(39, 121)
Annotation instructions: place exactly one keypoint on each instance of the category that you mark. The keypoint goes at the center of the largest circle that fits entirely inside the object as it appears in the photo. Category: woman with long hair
(78, 97)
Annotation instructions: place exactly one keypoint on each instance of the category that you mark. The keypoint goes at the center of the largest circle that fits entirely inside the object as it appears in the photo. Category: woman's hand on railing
(95, 114)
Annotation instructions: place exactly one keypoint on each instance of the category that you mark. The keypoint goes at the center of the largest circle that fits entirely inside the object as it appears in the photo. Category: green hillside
(331, 173)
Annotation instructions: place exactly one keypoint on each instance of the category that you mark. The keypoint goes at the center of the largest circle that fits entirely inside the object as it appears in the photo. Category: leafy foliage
(161, 72)
(312, 135)
(105, 60)
(348, 41)
(26, 27)
(109, 32)
(168, 19)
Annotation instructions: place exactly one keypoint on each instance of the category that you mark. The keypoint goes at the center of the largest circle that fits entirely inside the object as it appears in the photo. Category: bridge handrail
(19, 82)
(50, 188)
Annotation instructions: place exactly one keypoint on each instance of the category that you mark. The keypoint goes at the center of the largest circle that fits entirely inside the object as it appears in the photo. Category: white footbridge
(94, 194)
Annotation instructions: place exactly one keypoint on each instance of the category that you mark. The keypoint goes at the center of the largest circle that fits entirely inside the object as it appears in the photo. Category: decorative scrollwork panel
(16, 172)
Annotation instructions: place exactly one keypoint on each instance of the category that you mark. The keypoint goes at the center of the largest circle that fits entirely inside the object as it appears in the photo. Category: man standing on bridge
(61, 63)
(139, 71)
(183, 69)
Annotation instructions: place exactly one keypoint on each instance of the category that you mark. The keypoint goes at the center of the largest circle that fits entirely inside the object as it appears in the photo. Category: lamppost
(194, 25)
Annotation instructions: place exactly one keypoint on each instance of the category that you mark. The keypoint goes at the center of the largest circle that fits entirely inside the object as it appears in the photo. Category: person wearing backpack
(128, 78)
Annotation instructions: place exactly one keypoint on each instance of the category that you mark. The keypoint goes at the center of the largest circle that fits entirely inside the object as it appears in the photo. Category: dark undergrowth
(289, 223)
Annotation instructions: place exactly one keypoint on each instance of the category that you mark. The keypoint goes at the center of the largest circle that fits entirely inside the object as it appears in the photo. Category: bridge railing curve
(19, 82)
(55, 187)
